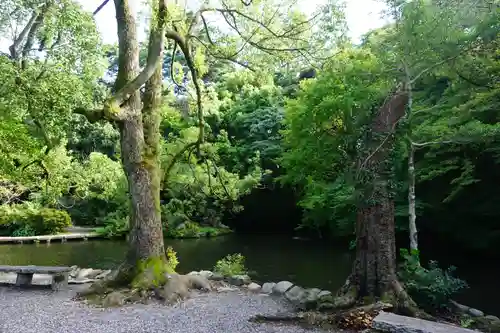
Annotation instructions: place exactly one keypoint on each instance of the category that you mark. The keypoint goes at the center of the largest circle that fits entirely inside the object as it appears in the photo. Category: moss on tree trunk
(139, 140)
(373, 274)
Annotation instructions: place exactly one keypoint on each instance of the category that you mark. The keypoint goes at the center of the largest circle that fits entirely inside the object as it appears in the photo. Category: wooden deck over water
(73, 233)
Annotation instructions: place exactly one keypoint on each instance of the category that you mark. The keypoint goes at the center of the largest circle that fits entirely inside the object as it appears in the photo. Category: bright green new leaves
(324, 125)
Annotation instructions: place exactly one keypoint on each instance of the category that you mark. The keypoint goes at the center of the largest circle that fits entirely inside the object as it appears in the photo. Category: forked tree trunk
(374, 270)
(139, 140)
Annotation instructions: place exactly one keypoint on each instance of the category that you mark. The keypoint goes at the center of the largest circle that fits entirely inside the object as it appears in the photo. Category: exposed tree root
(350, 310)
(355, 318)
(150, 279)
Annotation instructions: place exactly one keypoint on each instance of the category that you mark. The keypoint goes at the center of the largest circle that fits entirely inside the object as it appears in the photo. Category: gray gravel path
(44, 311)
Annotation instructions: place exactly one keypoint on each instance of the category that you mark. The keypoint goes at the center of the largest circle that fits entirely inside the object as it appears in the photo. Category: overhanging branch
(154, 54)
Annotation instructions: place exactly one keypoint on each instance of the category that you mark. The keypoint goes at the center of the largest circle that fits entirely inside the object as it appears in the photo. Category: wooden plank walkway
(74, 233)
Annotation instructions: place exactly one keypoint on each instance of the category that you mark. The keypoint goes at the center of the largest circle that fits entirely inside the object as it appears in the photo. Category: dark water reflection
(272, 258)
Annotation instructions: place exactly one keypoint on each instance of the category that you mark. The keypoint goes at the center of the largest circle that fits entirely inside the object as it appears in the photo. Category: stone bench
(25, 274)
(393, 323)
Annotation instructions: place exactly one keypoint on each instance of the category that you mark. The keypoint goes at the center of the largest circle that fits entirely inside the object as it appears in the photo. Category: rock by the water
(94, 273)
(390, 322)
(304, 299)
(491, 318)
(81, 281)
(311, 299)
(323, 293)
(84, 273)
(475, 312)
(216, 277)
(176, 288)
(255, 287)
(193, 273)
(238, 280)
(74, 271)
(115, 298)
(206, 274)
(103, 274)
(295, 295)
(196, 282)
(488, 323)
(267, 287)
(325, 306)
(281, 287)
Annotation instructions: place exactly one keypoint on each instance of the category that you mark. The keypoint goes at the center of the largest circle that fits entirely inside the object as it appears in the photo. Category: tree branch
(17, 42)
(101, 6)
(424, 144)
(30, 39)
(176, 157)
(176, 37)
(154, 54)
(91, 115)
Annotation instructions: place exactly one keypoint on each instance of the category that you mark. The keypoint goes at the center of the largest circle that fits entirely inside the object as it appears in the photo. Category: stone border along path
(300, 298)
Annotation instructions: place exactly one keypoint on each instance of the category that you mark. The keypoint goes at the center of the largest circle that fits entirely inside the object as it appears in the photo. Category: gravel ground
(44, 311)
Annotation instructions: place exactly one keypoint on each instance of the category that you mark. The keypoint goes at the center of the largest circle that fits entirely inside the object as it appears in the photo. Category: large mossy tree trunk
(139, 122)
(373, 274)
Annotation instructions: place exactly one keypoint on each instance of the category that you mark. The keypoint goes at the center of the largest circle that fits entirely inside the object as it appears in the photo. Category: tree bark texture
(374, 269)
(412, 215)
(139, 139)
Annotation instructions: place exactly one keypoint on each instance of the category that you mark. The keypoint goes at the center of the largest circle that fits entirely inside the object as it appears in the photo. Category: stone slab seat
(59, 274)
(393, 323)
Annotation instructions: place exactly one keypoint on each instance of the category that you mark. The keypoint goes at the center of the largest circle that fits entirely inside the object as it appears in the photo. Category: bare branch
(30, 39)
(429, 143)
(176, 37)
(176, 157)
(172, 59)
(101, 6)
(17, 42)
(432, 67)
(91, 115)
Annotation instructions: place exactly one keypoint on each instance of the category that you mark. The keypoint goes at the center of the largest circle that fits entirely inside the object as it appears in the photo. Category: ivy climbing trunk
(374, 270)
(139, 139)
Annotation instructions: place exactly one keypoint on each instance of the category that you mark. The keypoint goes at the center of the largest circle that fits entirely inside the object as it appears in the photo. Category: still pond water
(270, 258)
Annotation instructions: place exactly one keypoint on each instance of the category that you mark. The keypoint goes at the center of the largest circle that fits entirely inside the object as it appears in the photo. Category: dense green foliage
(262, 130)
(30, 220)
(432, 288)
(230, 265)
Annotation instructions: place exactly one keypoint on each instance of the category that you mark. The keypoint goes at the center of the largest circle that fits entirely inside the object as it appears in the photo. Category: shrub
(185, 230)
(23, 231)
(116, 224)
(232, 264)
(172, 259)
(431, 288)
(50, 221)
(29, 220)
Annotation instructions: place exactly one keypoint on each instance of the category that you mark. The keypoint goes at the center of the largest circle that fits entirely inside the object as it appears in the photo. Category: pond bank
(76, 233)
(312, 264)
(72, 233)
